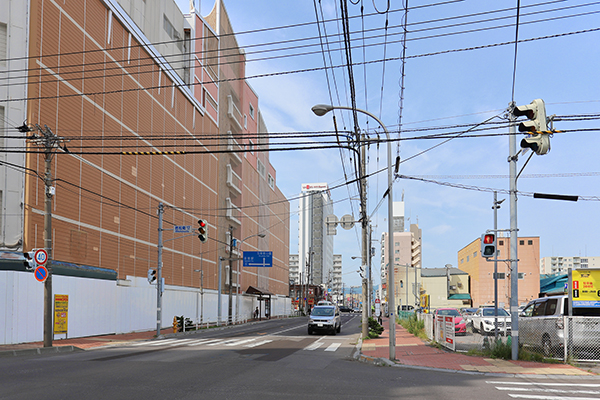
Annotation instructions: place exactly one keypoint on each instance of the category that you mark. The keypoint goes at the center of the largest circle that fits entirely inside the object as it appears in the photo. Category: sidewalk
(83, 343)
(412, 351)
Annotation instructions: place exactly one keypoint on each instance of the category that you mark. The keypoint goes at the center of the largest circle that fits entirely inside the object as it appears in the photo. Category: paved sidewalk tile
(410, 350)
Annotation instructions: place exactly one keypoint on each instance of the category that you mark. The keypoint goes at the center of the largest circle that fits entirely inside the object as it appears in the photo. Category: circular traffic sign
(40, 256)
(40, 273)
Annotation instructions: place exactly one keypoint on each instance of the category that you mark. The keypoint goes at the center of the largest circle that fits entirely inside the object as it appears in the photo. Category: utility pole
(48, 332)
(161, 211)
(49, 141)
(514, 270)
(230, 307)
(365, 236)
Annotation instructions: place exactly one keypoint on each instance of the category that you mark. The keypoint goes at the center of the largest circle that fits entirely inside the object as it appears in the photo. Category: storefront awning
(460, 296)
(260, 292)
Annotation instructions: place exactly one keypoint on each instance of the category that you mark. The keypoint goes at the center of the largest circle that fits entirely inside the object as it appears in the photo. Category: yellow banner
(61, 313)
(586, 288)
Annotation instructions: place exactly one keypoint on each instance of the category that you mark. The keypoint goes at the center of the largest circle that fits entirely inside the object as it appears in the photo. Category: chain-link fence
(576, 338)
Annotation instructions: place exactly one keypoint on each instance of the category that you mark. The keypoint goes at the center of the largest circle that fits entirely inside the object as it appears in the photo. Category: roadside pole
(514, 271)
(161, 211)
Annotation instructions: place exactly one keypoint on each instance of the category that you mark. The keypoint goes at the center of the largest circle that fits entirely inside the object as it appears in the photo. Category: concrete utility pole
(514, 270)
(161, 211)
(230, 274)
(50, 142)
(48, 332)
(366, 245)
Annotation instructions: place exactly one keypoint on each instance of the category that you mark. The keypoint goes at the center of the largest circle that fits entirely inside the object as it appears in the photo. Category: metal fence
(575, 338)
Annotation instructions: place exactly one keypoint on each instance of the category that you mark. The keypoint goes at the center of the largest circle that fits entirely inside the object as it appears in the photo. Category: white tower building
(315, 247)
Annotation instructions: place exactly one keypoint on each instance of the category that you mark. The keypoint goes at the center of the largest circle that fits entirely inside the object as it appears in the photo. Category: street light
(320, 110)
(237, 297)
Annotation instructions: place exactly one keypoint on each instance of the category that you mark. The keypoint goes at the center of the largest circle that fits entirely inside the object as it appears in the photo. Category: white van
(325, 318)
(542, 325)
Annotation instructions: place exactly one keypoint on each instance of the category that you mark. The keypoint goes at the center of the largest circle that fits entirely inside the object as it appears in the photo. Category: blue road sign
(183, 228)
(258, 259)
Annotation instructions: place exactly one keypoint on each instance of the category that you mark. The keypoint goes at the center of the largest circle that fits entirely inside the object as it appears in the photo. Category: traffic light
(488, 245)
(151, 275)
(539, 141)
(29, 262)
(202, 230)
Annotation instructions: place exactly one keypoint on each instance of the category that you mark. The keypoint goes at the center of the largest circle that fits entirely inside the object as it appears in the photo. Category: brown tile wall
(105, 207)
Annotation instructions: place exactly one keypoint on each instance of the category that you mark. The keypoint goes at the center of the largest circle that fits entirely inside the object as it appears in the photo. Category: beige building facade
(481, 271)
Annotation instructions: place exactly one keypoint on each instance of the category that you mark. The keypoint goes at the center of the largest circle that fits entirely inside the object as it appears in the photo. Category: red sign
(377, 301)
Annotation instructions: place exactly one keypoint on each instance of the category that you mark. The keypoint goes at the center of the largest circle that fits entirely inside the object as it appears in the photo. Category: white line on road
(542, 383)
(524, 396)
(521, 389)
(258, 343)
(333, 347)
(240, 342)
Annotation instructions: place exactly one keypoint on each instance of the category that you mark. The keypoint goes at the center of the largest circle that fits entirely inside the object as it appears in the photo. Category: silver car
(326, 319)
(542, 326)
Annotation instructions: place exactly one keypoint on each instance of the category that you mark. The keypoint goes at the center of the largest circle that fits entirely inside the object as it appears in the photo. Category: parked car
(325, 318)
(541, 325)
(483, 321)
(460, 327)
(345, 309)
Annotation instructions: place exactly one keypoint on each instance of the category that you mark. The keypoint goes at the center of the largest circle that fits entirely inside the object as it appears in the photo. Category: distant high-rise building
(336, 281)
(407, 259)
(294, 271)
(561, 265)
(315, 247)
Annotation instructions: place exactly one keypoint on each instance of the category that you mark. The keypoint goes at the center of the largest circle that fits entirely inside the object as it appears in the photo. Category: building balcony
(233, 145)
(234, 113)
(233, 212)
(234, 182)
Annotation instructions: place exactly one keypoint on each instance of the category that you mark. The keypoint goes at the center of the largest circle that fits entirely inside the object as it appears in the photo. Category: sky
(460, 71)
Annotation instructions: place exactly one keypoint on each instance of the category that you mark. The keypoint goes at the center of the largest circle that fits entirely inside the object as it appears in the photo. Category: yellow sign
(586, 287)
(61, 313)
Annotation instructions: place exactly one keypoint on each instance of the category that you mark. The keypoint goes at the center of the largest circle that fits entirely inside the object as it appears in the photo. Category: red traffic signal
(202, 230)
(488, 245)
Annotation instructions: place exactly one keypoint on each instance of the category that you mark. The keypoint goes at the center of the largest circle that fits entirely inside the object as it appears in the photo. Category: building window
(462, 260)
(529, 242)
(397, 251)
(500, 242)
(250, 146)
(397, 244)
(251, 111)
(501, 275)
(467, 258)
(521, 242)
(245, 121)
(271, 181)
(521, 275)
(3, 44)
(474, 254)
(260, 167)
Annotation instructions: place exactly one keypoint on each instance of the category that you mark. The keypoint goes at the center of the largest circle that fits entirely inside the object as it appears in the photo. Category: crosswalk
(579, 390)
(253, 342)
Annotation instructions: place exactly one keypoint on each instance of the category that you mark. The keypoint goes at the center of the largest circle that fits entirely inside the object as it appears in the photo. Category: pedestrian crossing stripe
(249, 343)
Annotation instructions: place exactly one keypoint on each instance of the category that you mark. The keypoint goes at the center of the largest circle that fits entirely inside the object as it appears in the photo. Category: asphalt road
(274, 359)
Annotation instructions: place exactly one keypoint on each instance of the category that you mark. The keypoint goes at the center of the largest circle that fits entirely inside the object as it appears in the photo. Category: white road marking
(240, 342)
(523, 396)
(258, 343)
(333, 347)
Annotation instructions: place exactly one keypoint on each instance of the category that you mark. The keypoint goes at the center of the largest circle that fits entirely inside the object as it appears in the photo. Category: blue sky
(443, 87)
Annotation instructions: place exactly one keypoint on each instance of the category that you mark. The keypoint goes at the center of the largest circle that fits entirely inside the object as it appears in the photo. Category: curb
(39, 351)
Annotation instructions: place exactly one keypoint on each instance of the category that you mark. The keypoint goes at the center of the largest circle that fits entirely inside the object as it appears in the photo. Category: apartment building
(561, 265)
(481, 271)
